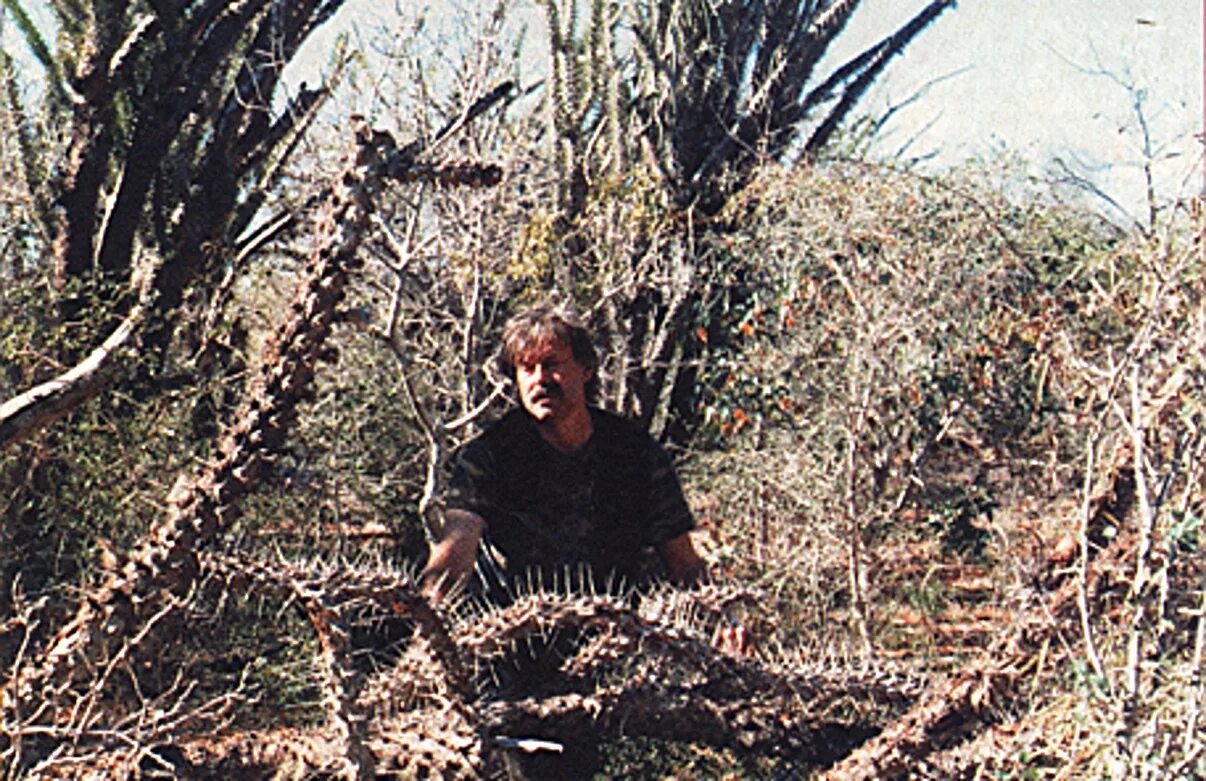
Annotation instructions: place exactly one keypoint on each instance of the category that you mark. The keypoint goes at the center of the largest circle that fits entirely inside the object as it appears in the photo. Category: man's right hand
(450, 562)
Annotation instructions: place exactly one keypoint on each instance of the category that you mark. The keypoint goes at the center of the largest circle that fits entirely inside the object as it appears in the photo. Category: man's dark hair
(541, 324)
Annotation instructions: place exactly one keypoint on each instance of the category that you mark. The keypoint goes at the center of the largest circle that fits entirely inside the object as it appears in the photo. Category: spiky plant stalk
(151, 585)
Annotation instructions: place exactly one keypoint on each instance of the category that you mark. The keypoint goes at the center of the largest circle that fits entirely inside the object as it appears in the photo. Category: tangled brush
(471, 683)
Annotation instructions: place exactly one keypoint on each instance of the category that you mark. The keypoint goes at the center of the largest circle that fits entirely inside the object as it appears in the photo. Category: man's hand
(451, 560)
(687, 568)
(685, 565)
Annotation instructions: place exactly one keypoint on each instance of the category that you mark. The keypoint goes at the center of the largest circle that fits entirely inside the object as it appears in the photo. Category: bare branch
(24, 415)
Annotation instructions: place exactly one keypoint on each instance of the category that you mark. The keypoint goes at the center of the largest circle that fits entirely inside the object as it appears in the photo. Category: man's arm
(451, 560)
(685, 565)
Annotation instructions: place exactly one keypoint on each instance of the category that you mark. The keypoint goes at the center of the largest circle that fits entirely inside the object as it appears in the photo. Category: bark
(38, 407)
(634, 674)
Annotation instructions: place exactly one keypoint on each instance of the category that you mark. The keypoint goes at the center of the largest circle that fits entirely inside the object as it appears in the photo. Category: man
(559, 493)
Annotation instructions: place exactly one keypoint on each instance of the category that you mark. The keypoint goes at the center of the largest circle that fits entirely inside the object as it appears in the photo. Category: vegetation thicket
(945, 447)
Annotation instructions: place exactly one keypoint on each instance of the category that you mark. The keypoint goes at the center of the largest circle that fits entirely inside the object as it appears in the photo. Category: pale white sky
(1023, 84)
(1026, 85)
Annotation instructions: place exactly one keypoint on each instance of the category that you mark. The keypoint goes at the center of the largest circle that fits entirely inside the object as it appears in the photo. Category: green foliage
(93, 487)
(704, 94)
(1185, 532)
(350, 479)
(35, 341)
(923, 370)
(846, 301)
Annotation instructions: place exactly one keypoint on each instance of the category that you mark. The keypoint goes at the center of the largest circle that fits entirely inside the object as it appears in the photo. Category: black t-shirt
(578, 520)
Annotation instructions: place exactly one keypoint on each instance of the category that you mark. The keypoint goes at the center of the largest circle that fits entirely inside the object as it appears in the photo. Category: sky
(1042, 79)
(1050, 79)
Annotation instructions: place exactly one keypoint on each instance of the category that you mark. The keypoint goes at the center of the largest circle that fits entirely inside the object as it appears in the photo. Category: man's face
(552, 384)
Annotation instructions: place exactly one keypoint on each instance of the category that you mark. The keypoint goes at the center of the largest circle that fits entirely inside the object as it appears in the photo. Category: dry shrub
(916, 402)
(877, 383)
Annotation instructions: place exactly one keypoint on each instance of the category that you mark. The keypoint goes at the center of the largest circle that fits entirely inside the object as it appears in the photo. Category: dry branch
(965, 705)
(955, 709)
(38, 407)
(383, 596)
(633, 673)
(150, 585)
(200, 505)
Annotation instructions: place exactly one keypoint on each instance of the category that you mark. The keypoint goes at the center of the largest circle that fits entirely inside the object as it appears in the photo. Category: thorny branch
(146, 591)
